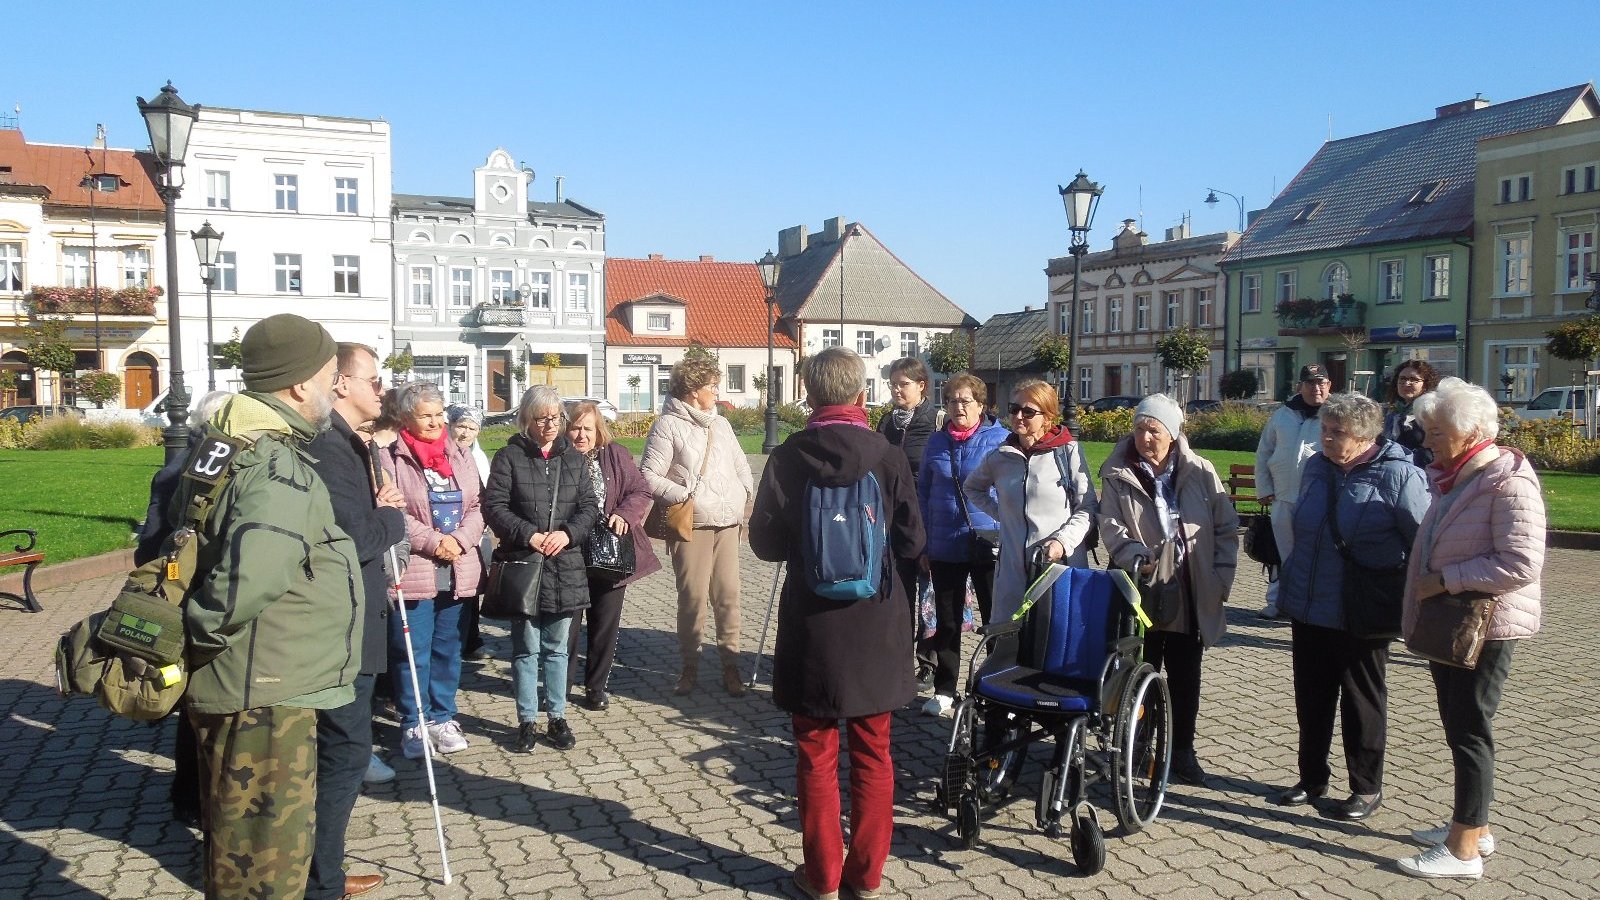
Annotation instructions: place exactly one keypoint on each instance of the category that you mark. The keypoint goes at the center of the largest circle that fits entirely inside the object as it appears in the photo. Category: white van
(1565, 402)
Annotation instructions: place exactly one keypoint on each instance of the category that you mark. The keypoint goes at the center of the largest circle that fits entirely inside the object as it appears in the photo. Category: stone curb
(71, 571)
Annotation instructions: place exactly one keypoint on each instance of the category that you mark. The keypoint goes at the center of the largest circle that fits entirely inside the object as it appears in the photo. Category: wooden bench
(1242, 478)
(24, 554)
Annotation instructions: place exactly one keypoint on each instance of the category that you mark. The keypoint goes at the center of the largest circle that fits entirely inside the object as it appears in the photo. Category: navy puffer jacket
(937, 491)
(1380, 505)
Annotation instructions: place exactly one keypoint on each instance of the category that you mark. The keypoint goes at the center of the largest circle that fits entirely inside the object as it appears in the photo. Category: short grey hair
(1463, 408)
(206, 408)
(415, 393)
(537, 399)
(1357, 413)
(456, 413)
(834, 377)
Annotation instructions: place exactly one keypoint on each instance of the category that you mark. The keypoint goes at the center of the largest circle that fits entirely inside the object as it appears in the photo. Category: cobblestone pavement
(677, 798)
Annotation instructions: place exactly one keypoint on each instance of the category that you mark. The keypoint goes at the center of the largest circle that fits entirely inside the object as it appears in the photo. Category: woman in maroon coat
(835, 659)
(624, 502)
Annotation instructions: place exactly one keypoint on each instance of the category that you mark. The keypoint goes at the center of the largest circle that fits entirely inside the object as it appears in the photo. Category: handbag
(675, 521)
(1452, 628)
(608, 555)
(1372, 597)
(513, 589)
(1162, 597)
(1260, 544)
(982, 550)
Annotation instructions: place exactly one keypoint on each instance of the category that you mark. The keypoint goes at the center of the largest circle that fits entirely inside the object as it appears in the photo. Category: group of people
(394, 485)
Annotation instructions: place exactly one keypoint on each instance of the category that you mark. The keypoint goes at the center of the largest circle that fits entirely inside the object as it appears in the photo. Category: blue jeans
(436, 639)
(550, 632)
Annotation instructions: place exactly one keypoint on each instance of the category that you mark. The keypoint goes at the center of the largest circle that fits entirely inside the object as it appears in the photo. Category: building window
(1065, 314)
(735, 382)
(286, 273)
(864, 343)
(501, 290)
(909, 344)
(75, 267)
(1174, 305)
(1516, 188)
(461, 287)
(658, 321)
(1262, 364)
(1141, 380)
(1521, 362)
(1114, 314)
(136, 268)
(1141, 312)
(1286, 285)
(219, 190)
(1335, 280)
(1087, 324)
(227, 272)
(1203, 303)
(1391, 280)
(345, 192)
(1580, 179)
(539, 290)
(1250, 289)
(578, 292)
(347, 275)
(1085, 382)
(286, 193)
(1437, 271)
(831, 338)
(872, 390)
(1577, 256)
(422, 285)
(11, 266)
(1512, 265)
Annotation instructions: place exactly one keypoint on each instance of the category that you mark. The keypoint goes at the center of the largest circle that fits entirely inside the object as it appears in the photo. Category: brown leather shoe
(360, 884)
(732, 681)
(686, 680)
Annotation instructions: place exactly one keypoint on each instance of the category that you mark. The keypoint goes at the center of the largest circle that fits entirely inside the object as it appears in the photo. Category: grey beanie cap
(1163, 409)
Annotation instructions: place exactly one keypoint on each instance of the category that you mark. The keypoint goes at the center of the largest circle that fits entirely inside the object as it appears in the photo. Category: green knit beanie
(282, 350)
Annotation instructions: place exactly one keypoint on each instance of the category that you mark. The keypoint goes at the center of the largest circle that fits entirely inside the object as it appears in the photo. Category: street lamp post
(208, 246)
(1238, 356)
(770, 267)
(1081, 198)
(169, 121)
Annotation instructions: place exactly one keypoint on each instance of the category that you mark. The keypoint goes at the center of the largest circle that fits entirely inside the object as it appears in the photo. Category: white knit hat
(1163, 409)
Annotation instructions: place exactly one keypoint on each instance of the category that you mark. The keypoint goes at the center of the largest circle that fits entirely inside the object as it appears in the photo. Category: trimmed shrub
(1231, 426)
(1552, 444)
(1109, 426)
(633, 425)
(66, 433)
(11, 434)
(792, 415)
(745, 419)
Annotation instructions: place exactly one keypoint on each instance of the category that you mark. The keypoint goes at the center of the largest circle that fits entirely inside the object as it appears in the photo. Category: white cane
(772, 601)
(416, 692)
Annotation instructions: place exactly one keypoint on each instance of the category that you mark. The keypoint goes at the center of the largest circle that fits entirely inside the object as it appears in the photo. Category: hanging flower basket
(131, 301)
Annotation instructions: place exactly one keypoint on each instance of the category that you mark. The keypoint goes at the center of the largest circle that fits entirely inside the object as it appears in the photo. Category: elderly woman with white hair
(1486, 534)
(1361, 501)
(1165, 518)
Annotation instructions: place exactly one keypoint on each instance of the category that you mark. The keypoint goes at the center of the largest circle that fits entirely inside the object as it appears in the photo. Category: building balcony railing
(1310, 317)
(498, 315)
(83, 301)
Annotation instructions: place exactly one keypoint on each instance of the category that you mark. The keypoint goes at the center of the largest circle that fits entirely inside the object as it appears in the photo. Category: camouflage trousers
(258, 773)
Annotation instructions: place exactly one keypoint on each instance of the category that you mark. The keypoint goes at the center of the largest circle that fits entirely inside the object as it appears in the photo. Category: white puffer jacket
(1289, 439)
(671, 464)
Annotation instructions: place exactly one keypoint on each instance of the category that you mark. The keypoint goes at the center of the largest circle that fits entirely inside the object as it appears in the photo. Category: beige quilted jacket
(671, 464)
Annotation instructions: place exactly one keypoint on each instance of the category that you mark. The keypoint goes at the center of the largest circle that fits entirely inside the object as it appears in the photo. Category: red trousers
(871, 800)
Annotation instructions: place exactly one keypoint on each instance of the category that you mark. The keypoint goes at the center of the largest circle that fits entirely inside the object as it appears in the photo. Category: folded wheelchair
(1071, 672)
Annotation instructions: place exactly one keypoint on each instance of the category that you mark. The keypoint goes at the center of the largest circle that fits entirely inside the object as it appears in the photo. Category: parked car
(1195, 406)
(1567, 402)
(21, 414)
(1107, 404)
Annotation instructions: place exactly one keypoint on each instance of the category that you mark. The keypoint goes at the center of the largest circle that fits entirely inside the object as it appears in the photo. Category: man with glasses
(372, 515)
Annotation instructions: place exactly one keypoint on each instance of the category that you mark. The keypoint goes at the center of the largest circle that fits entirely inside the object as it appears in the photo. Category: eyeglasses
(375, 382)
(961, 401)
(1026, 412)
(547, 420)
(902, 385)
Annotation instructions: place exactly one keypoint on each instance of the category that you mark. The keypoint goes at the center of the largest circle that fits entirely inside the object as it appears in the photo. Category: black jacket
(516, 505)
(913, 438)
(837, 660)
(340, 459)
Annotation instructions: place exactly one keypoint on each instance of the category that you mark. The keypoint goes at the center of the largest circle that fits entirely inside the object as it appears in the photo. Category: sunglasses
(1026, 412)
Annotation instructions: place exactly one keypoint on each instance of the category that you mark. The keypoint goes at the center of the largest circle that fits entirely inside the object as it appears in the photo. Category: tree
(949, 352)
(633, 386)
(1054, 352)
(230, 353)
(552, 362)
(48, 348)
(399, 362)
(1184, 350)
(760, 382)
(697, 350)
(100, 387)
(1577, 340)
(1240, 384)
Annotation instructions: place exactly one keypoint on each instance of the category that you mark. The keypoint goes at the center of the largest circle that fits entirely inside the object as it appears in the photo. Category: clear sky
(700, 127)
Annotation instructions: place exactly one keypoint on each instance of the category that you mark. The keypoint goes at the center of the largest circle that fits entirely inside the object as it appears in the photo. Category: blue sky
(707, 127)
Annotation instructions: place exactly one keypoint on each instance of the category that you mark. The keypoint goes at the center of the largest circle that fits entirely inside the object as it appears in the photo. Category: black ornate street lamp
(770, 267)
(1238, 356)
(169, 121)
(208, 246)
(1081, 198)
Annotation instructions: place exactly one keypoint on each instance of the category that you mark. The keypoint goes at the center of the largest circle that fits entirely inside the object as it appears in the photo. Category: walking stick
(772, 601)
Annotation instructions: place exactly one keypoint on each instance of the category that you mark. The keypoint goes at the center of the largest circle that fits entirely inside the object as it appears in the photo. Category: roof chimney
(706, 257)
(559, 180)
(1179, 231)
(1130, 236)
(1456, 109)
(655, 257)
(833, 229)
(792, 241)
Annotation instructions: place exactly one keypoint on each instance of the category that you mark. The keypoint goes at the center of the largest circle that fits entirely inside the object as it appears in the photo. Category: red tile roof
(726, 302)
(62, 169)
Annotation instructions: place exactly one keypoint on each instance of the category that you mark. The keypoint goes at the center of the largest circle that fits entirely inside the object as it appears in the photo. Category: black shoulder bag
(1372, 597)
(513, 590)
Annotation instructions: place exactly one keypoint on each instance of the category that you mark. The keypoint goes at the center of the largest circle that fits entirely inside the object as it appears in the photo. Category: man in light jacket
(1292, 435)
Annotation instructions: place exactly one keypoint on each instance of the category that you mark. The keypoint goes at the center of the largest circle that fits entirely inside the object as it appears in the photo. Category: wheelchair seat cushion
(1033, 689)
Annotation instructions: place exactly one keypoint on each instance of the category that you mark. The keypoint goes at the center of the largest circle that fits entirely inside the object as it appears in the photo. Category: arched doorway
(139, 380)
(22, 394)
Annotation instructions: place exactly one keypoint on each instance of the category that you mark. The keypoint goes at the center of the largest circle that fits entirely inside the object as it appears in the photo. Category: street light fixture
(169, 121)
(771, 267)
(208, 246)
(1238, 356)
(1081, 198)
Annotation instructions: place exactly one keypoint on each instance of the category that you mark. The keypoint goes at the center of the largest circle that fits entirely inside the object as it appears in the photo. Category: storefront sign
(1260, 343)
(641, 359)
(1411, 331)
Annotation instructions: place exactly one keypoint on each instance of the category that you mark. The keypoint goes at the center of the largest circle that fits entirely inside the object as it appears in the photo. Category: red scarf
(1444, 477)
(1058, 436)
(959, 435)
(839, 415)
(434, 455)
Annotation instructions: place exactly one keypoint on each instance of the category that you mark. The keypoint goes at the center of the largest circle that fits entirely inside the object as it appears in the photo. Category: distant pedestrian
(465, 423)
(1411, 380)
(1290, 437)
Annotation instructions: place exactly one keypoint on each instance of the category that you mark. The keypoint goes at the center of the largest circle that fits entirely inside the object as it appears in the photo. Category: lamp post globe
(770, 267)
(169, 121)
(208, 247)
(1081, 199)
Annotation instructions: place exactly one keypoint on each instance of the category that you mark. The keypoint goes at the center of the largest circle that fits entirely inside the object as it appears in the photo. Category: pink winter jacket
(419, 580)
(1491, 539)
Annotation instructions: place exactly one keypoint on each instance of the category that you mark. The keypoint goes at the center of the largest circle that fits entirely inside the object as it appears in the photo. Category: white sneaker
(411, 742)
(448, 737)
(377, 772)
(1431, 837)
(1439, 862)
(939, 705)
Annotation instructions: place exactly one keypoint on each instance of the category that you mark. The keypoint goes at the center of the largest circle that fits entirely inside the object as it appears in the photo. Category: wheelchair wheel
(1143, 749)
(967, 812)
(1088, 843)
(957, 774)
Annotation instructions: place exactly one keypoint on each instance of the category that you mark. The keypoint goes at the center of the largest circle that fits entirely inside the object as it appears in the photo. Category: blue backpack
(843, 545)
